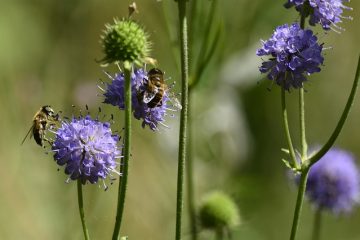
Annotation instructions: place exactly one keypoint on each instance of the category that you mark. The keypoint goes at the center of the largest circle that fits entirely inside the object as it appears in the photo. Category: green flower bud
(218, 211)
(125, 41)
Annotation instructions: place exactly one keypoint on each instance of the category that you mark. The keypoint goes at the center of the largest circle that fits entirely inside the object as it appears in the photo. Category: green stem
(190, 175)
(287, 130)
(317, 224)
(316, 157)
(126, 158)
(302, 109)
(184, 114)
(302, 125)
(299, 201)
(81, 210)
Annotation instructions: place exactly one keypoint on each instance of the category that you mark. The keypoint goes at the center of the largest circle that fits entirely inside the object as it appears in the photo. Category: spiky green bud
(125, 41)
(218, 211)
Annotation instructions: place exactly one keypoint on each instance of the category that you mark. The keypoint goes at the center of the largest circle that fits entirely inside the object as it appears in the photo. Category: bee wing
(148, 96)
(30, 130)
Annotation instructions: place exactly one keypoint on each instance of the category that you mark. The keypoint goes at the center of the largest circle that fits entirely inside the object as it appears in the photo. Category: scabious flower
(87, 148)
(218, 211)
(114, 95)
(326, 12)
(333, 182)
(294, 53)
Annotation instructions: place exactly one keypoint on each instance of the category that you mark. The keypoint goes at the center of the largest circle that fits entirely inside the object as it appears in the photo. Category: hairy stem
(299, 202)
(184, 114)
(81, 210)
(126, 158)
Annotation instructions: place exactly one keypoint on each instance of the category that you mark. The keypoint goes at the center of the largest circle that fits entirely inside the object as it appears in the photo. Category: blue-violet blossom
(294, 53)
(114, 95)
(326, 12)
(333, 182)
(88, 149)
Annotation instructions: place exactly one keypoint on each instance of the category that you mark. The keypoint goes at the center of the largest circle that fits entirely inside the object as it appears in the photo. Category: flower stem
(287, 130)
(316, 157)
(299, 201)
(190, 175)
(126, 158)
(302, 125)
(317, 225)
(81, 209)
(183, 116)
(302, 108)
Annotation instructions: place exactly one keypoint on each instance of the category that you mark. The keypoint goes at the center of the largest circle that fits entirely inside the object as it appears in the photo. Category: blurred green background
(48, 52)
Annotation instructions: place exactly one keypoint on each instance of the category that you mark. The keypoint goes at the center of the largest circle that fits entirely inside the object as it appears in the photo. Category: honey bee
(44, 119)
(156, 89)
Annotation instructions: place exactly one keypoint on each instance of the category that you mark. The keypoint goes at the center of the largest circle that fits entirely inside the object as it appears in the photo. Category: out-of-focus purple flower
(114, 95)
(294, 53)
(333, 182)
(326, 12)
(87, 148)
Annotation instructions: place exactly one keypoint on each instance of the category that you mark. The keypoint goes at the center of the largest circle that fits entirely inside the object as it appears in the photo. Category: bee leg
(48, 141)
(160, 104)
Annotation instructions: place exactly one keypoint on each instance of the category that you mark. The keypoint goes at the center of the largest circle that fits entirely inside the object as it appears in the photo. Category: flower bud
(125, 41)
(218, 211)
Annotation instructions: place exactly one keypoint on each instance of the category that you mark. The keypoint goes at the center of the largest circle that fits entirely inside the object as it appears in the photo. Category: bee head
(155, 71)
(48, 110)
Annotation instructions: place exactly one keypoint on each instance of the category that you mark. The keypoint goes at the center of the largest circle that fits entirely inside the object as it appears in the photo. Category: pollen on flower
(333, 182)
(328, 13)
(150, 116)
(87, 148)
(294, 54)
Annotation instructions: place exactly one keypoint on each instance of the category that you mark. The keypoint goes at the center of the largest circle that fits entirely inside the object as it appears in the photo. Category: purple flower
(333, 182)
(326, 12)
(87, 148)
(294, 53)
(151, 116)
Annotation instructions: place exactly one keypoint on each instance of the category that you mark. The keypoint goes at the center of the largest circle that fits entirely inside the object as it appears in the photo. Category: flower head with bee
(150, 98)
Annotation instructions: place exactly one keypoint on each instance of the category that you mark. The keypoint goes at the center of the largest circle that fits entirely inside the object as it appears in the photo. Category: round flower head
(294, 53)
(218, 211)
(125, 41)
(333, 182)
(326, 12)
(87, 148)
(150, 116)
